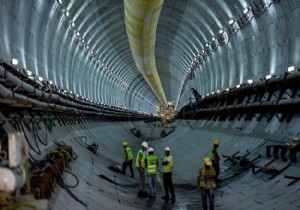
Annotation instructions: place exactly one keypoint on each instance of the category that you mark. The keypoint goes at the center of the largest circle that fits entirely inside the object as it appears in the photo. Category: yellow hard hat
(207, 161)
(125, 143)
(217, 142)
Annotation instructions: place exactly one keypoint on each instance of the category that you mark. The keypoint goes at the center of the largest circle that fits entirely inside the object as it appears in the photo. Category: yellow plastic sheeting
(141, 18)
(153, 79)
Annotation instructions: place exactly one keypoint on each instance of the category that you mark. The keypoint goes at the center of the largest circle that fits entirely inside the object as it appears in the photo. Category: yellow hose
(19, 206)
(27, 176)
(141, 18)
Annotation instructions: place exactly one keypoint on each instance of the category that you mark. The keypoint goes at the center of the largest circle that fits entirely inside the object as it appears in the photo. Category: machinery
(167, 115)
(14, 173)
(12, 167)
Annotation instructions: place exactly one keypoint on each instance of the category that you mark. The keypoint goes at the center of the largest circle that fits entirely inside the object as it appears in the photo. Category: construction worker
(206, 183)
(151, 163)
(128, 157)
(167, 176)
(140, 165)
(216, 158)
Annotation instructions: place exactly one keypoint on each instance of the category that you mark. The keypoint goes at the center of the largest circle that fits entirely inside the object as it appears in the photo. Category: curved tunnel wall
(269, 44)
(90, 44)
(43, 38)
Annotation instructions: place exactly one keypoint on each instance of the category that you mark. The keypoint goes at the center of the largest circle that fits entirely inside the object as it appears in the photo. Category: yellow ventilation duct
(141, 18)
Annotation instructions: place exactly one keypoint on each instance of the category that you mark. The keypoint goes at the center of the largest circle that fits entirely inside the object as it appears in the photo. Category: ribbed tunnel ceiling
(82, 47)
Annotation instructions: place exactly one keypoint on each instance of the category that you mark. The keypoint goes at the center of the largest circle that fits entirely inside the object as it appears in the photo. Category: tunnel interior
(69, 79)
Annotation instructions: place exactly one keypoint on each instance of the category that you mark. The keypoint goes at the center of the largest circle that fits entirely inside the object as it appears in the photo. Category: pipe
(141, 18)
(37, 93)
(264, 107)
(25, 86)
(280, 83)
(9, 96)
(292, 80)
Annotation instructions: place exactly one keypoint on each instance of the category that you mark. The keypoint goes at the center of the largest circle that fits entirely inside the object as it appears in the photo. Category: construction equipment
(13, 175)
(236, 159)
(239, 170)
(295, 179)
(269, 169)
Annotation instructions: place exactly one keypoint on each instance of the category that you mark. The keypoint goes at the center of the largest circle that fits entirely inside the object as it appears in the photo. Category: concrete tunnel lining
(40, 35)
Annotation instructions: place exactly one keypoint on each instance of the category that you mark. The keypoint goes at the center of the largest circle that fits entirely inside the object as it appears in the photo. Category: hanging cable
(38, 151)
(37, 135)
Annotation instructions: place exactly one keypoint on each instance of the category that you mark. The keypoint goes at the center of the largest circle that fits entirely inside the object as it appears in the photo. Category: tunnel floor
(244, 191)
(123, 189)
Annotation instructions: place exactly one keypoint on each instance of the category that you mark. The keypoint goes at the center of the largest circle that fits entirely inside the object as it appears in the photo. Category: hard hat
(144, 144)
(150, 149)
(125, 143)
(217, 142)
(167, 149)
(207, 161)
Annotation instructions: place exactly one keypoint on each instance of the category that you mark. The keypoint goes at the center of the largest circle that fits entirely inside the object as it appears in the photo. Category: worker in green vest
(151, 163)
(127, 159)
(216, 158)
(140, 165)
(206, 183)
(167, 176)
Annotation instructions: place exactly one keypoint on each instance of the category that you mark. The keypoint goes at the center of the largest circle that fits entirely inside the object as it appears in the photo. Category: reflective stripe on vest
(152, 164)
(137, 159)
(203, 181)
(129, 154)
(168, 168)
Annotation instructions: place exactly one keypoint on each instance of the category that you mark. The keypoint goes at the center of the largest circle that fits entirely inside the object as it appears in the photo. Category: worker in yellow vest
(216, 158)
(167, 176)
(140, 166)
(128, 157)
(206, 183)
(151, 163)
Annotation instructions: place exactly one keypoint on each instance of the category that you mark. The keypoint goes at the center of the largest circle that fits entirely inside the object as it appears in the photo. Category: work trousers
(142, 181)
(168, 185)
(125, 164)
(152, 184)
(216, 166)
(210, 194)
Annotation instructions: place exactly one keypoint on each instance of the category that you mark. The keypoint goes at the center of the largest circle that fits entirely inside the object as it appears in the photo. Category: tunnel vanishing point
(78, 78)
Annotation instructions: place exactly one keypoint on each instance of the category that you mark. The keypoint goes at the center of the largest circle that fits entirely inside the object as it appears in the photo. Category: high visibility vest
(203, 181)
(137, 159)
(213, 155)
(129, 154)
(152, 164)
(168, 168)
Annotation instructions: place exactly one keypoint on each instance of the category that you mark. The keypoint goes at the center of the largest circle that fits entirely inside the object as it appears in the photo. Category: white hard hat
(144, 144)
(150, 149)
(167, 149)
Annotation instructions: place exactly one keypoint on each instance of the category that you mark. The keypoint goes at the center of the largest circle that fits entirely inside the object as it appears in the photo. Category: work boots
(166, 198)
(142, 194)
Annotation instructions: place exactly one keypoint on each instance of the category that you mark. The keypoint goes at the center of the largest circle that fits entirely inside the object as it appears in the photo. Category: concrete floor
(190, 143)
